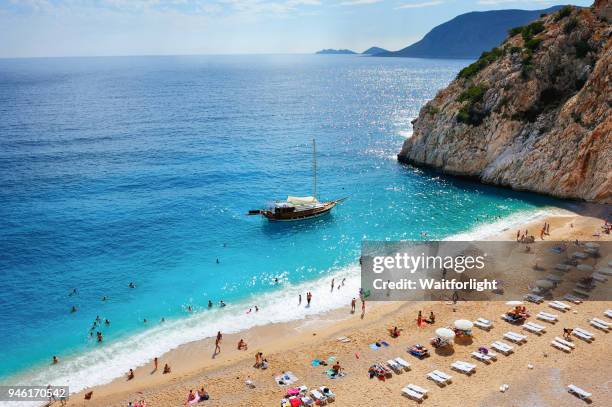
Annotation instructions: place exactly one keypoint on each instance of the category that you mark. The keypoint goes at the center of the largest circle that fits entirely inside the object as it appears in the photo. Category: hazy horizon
(78, 28)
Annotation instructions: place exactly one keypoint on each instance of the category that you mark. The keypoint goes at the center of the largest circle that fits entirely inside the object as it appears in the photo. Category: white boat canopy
(302, 200)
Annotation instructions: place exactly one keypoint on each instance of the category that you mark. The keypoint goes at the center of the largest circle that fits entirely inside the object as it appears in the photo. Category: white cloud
(359, 2)
(420, 5)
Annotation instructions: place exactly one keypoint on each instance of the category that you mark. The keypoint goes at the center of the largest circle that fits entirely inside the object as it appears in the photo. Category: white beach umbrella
(584, 267)
(514, 303)
(464, 324)
(544, 284)
(592, 245)
(445, 333)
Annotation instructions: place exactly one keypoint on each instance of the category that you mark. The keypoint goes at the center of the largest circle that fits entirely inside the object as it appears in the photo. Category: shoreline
(192, 363)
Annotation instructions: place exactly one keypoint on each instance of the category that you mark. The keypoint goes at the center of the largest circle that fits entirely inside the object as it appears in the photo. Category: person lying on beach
(203, 395)
(166, 369)
(242, 345)
(130, 375)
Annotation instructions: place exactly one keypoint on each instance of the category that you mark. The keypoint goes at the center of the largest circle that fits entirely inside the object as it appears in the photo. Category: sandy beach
(537, 374)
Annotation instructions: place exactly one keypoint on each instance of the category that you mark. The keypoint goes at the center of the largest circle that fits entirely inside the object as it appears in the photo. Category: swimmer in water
(73, 309)
(131, 285)
(221, 303)
(210, 304)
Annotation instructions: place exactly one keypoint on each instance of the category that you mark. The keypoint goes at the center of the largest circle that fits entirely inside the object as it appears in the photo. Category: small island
(331, 51)
(374, 51)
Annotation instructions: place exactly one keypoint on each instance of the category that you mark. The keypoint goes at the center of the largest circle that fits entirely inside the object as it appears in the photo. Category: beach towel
(315, 362)
(285, 379)
(331, 360)
(294, 391)
(330, 374)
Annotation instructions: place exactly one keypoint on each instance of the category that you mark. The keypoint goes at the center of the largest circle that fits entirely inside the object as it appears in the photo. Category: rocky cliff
(532, 114)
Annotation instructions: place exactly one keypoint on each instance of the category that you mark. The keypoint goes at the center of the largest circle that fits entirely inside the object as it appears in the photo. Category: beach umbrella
(514, 303)
(584, 267)
(592, 245)
(445, 333)
(553, 277)
(464, 324)
(546, 284)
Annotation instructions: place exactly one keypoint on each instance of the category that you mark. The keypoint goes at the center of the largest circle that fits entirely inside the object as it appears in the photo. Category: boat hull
(300, 215)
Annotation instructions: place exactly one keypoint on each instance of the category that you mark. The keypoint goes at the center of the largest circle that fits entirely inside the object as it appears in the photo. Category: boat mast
(314, 168)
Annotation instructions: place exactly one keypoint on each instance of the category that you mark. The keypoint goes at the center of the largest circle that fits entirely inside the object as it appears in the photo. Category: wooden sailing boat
(297, 208)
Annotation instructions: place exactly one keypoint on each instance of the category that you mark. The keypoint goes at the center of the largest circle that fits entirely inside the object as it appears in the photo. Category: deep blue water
(142, 169)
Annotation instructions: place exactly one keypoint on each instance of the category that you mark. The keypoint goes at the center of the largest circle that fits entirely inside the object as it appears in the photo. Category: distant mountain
(468, 35)
(335, 52)
(374, 51)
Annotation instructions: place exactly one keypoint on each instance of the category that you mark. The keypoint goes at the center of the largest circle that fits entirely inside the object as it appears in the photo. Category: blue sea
(142, 169)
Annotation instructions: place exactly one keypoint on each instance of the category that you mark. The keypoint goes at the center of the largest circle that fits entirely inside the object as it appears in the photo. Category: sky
(49, 28)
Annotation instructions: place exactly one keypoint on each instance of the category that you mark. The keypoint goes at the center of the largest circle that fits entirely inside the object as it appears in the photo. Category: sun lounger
(318, 396)
(405, 365)
(563, 267)
(417, 388)
(581, 292)
(605, 270)
(564, 342)
(608, 313)
(584, 395)
(534, 298)
(463, 367)
(514, 337)
(502, 347)
(396, 367)
(582, 334)
(328, 393)
(535, 328)
(439, 377)
(572, 298)
(599, 324)
(545, 316)
(482, 357)
(483, 324)
(492, 355)
(561, 346)
(408, 392)
(599, 277)
(343, 339)
(558, 305)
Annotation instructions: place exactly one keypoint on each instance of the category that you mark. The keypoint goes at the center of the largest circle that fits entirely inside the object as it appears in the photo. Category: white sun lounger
(502, 347)
(514, 337)
(572, 298)
(545, 316)
(584, 395)
(439, 377)
(581, 292)
(396, 367)
(599, 324)
(492, 355)
(582, 334)
(483, 324)
(408, 392)
(605, 270)
(537, 299)
(405, 365)
(417, 388)
(564, 342)
(558, 305)
(482, 357)
(608, 313)
(563, 267)
(561, 346)
(463, 367)
(318, 396)
(533, 327)
(599, 277)
(307, 401)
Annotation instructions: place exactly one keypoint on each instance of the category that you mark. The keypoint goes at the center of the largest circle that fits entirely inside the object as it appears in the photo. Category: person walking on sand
(218, 342)
(155, 364)
(362, 307)
(419, 319)
(353, 304)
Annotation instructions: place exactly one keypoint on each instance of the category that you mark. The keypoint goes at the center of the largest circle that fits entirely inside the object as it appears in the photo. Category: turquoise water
(141, 169)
